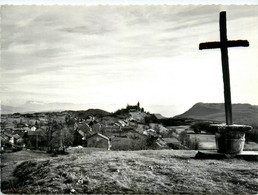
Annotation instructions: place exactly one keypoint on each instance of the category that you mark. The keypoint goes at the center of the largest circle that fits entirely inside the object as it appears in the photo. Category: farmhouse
(111, 130)
(33, 128)
(6, 139)
(79, 138)
(122, 123)
(151, 132)
(25, 129)
(20, 125)
(90, 119)
(19, 132)
(98, 140)
(160, 143)
(17, 139)
(10, 141)
(4, 142)
(83, 126)
(133, 123)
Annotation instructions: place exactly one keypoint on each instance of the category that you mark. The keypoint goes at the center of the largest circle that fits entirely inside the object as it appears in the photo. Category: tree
(157, 128)
(3, 124)
(69, 121)
(60, 136)
(15, 123)
(36, 124)
(67, 134)
(151, 118)
(41, 123)
(198, 126)
(186, 141)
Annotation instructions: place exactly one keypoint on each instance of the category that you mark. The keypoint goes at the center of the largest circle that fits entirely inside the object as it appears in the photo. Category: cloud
(82, 53)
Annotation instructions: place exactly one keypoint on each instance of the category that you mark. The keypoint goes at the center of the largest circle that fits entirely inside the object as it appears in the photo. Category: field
(86, 170)
(207, 142)
(179, 129)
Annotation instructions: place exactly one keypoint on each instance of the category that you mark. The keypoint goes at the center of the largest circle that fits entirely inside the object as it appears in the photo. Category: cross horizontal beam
(218, 44)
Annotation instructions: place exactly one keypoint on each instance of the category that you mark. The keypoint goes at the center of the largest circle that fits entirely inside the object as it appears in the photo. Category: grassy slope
(10, 160)
(164, 171)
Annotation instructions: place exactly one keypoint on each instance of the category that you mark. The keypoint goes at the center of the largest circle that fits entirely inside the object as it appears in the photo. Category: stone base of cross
(230, 139)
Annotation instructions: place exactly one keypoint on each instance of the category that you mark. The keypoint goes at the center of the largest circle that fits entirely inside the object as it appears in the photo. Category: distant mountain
(31, 106)
(9, 109)
(76, 109)
(242, 113)
(159, 116)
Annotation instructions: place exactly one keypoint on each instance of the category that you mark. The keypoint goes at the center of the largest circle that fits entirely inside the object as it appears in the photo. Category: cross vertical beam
(225, 67)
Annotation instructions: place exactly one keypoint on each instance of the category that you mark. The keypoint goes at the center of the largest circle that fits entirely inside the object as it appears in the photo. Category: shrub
(252, 136)
(188, 142)
(151, 118)
(169, 133)
(194, 144)
(176, 146)
(120, 143)
(197, 127)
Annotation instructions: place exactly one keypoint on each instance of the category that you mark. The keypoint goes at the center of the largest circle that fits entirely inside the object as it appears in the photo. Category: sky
(109, 56)
(178, 2)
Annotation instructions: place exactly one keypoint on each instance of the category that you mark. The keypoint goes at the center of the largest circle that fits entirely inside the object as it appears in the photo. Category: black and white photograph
(129, 99)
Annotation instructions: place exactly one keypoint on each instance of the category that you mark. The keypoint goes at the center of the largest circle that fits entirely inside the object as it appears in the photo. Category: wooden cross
(223, 45)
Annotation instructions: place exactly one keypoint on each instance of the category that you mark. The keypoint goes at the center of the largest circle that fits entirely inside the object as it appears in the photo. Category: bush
(194, 144)
(188, 142)
(119, 143)
(169, 133)
(252, 136)
(151, 118)
(176, 146)
(197, 127)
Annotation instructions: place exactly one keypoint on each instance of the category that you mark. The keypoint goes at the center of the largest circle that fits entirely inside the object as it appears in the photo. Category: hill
(90, 112)
(242, 113)
(86, 171)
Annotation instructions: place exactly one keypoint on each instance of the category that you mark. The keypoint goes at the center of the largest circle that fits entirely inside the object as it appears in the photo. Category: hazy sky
(109, 56)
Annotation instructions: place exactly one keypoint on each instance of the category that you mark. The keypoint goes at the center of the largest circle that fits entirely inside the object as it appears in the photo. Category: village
(130, 128)
(70, 151)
